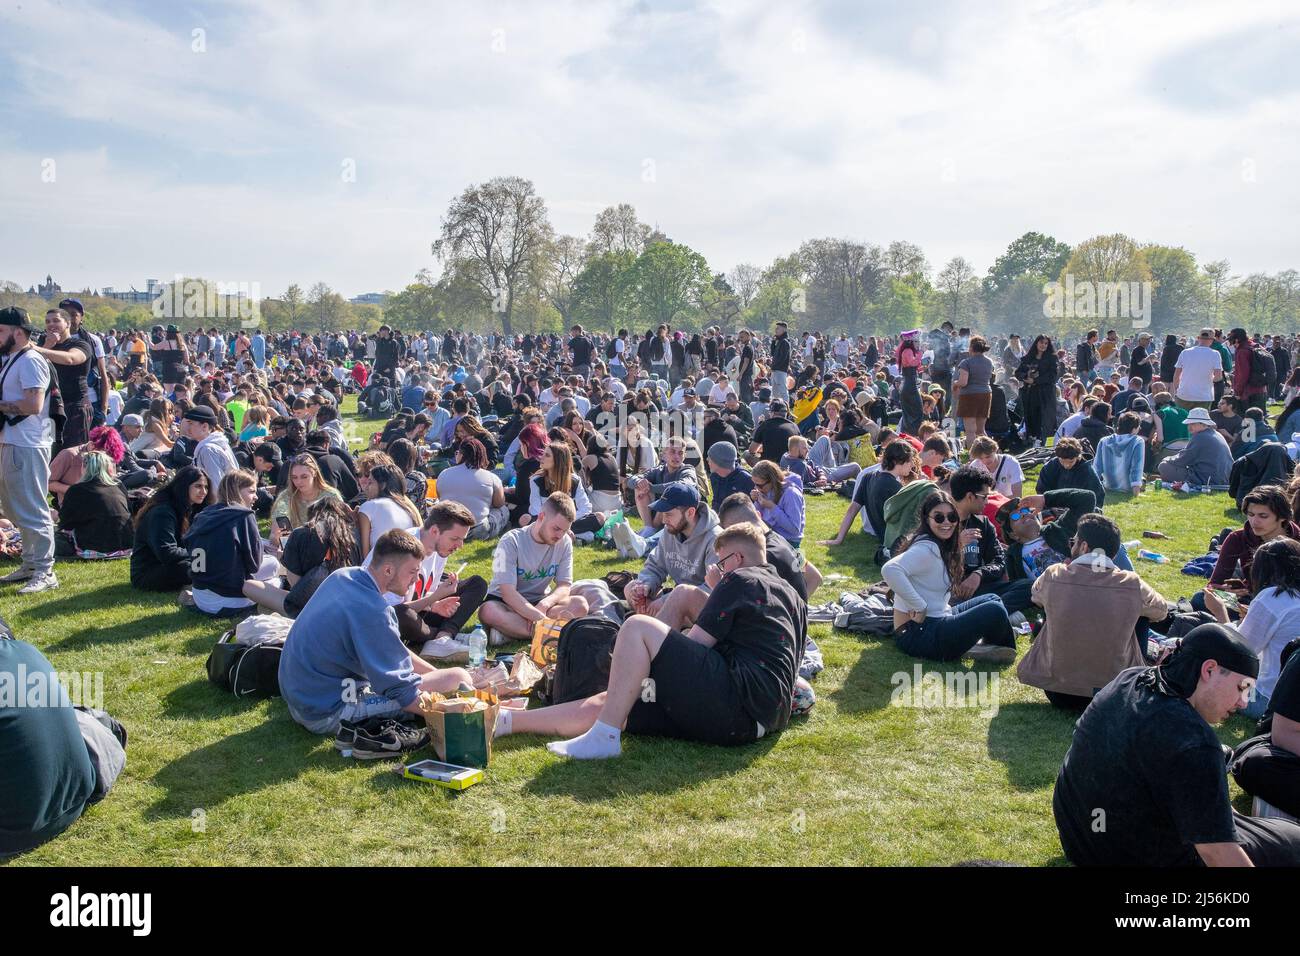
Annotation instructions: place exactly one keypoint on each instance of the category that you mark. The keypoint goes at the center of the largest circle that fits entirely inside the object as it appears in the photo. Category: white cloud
(957, 127)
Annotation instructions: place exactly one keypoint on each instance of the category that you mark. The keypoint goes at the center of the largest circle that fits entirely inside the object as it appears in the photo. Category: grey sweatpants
(25, 498)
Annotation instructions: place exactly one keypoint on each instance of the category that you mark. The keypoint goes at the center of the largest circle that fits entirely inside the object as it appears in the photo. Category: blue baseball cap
(678, 494)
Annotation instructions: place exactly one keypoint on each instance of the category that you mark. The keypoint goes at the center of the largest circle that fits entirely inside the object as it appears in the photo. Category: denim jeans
(948, 638)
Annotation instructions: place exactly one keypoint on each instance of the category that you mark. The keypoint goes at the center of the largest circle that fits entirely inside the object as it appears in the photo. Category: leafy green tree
(666, 281)
(1033, 254)
(600, 291)
(1180, 291)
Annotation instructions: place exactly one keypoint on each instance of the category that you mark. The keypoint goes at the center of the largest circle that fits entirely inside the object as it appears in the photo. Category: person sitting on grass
(779, 497)
(1120, 457)
(922, 574)
(306, 487)
(898, 465)
(681, 552)
(1267, 766)
(1206, 460)
(439, 603)
(95, 515)
(312, 552)
(1144, 782)
(158, 561)
(729, 680)
(344, 659)
(1008, 477)
(740, 509)
(527, 561)
(1268, 517)
(1093, 609)
(1034, 544)
(226, 549)
(1069, 470)
(985, 573)
(1273, 616)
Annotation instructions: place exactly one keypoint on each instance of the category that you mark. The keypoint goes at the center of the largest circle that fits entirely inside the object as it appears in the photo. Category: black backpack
(244, 670)
(583, 653)
(1259, 362)
(611, 348)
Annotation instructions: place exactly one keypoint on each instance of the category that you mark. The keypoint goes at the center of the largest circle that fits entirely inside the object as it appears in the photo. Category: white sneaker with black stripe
(39, 583)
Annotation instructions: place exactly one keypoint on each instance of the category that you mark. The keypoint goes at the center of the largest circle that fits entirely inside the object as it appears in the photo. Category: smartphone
(1230, 600)
(441, 774)
(282, 523)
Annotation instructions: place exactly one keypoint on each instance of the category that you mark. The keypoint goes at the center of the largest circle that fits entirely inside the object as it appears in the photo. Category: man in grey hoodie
(683, 552)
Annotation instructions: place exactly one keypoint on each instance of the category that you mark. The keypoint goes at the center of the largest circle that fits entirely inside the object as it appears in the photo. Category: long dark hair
(176, 492)
(1276, 565)
(1292, 406)
(950, 550)
(332, 521)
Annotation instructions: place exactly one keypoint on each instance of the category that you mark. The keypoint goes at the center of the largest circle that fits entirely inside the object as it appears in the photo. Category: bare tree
(617, 229)
(904, 259)
(566, 259)
(1219, 275)
(744, 280)
(497, 234)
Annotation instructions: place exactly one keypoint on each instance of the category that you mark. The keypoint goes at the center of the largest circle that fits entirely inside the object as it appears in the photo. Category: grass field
(213, 781)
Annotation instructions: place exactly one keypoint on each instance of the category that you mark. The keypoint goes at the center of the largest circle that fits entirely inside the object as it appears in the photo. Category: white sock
(505, 719)
(599, 743)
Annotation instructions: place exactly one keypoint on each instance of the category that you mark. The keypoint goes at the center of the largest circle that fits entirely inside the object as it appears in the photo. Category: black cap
(201, 413)
(15, 317)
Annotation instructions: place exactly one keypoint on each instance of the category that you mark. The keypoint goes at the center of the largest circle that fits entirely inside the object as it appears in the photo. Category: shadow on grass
(275, 751)
(109, 596)
(648, 766)
(867, 686)
(133, 630)
(1031, 739)
(200, 699)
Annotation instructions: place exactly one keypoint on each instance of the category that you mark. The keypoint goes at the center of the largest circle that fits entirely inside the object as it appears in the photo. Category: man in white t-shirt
(1196, 371)
(25, 439)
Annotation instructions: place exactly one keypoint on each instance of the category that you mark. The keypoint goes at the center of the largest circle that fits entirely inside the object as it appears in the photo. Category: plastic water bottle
(477, 646)
(1132, 545)
(1155, 556)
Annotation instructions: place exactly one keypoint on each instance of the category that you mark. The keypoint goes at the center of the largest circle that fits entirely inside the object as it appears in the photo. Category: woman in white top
(386, 507)
(922, 575)
(1008, 478)
(157, 433)
(1273, 617)
(555, 473)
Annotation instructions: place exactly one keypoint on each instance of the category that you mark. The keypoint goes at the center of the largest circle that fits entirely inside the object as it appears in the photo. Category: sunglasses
(944, 518)
(1021, 512)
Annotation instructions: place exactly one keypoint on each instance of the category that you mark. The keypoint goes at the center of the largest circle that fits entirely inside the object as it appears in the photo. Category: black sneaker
(375, 740)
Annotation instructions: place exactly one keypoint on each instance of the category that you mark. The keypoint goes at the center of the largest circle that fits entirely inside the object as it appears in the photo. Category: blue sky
(954, 125)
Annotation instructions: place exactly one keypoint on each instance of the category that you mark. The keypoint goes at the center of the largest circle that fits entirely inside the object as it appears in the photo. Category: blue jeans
(948, 638)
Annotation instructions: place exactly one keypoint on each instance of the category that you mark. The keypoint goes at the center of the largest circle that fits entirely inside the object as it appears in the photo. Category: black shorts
(694, 697)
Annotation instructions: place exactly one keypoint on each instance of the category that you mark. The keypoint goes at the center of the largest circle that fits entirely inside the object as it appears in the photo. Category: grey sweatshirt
(685, 560)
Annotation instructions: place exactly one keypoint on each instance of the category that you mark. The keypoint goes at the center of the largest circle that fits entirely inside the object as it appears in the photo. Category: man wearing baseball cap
(212, 454)
(26, 434)
(1206, 460)
(682, 552)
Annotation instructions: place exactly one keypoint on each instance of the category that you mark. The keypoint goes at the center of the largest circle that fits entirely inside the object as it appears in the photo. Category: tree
(1017, 308)
(617, 229)
(600, 290)
(958, 290)
(327, 307)
(897, 310)
(496, 235)
(567, 256)
(665, 281)
(1180, 290)
(906, 261)
(292, 300)
(1086, 296)
(1218, 276)
(744, 280)
(843, 277)
(719, 302)
(1033, 254)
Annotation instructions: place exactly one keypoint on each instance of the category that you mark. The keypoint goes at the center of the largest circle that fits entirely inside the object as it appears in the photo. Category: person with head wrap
(1144, 782)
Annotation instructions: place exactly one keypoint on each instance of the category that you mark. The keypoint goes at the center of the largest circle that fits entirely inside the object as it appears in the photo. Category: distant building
(135, 295)
(369, 298)
(49, 289)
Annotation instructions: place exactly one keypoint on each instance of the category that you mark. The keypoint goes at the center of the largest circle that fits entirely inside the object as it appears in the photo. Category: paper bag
(463, 737)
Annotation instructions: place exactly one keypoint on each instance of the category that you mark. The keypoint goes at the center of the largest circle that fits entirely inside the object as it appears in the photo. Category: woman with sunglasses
(922, 575)
(779, 497)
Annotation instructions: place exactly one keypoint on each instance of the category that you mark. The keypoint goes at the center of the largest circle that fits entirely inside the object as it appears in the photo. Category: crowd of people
(218, 462)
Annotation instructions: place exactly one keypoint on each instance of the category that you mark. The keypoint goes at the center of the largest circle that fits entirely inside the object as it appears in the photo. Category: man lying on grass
(729, 680)
(344, 659)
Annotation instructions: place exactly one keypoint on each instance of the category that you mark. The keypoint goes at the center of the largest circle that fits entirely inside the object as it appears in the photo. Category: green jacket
(903, 512)
(1057, 534)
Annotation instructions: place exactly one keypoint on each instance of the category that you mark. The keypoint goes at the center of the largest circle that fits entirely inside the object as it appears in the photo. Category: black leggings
(586, 523)
(416, 627)
(1270, 773)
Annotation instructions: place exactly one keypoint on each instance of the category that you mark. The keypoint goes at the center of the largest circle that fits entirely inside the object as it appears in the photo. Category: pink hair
(106, 439)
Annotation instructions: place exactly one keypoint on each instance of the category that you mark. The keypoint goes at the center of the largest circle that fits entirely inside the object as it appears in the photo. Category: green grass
(210, 780)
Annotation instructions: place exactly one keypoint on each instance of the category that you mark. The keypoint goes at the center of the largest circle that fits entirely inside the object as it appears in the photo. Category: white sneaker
(39, 583)
(22, 574)
(623, 535)
(445, 650)
(638, 544)
(496, 638)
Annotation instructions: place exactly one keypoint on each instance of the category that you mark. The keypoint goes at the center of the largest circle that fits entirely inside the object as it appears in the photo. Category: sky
(272, 143)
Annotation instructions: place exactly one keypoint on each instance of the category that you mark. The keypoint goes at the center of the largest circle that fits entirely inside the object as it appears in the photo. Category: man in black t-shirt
(1144, 781)
(728, 681)
(70, 357)
(801, 575)
(772, 436)
(745, 371)
(580, 348)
